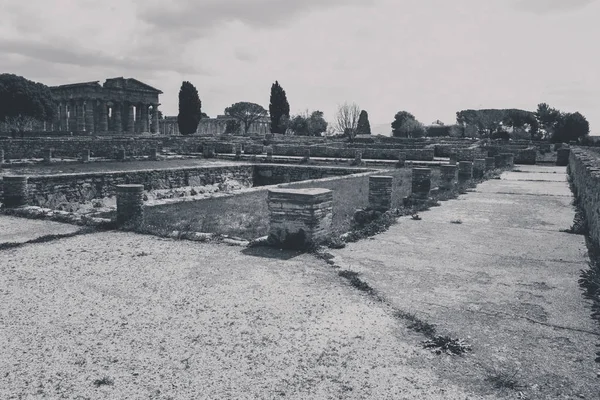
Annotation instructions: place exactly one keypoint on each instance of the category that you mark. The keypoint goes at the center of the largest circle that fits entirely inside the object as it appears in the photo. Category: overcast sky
(429, 57)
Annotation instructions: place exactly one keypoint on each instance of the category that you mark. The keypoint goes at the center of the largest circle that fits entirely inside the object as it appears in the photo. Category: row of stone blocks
(85, 155)
(301, 217)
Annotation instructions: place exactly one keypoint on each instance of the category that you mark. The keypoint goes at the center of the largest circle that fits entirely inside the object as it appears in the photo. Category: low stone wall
(584, 171)
(523, 154)
(51, 190)
(272, 174)
(73, 147)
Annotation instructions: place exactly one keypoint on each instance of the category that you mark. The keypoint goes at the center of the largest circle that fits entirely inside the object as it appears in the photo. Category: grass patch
(447, 345)
(104, 381)
(456, 221)
(504, 380)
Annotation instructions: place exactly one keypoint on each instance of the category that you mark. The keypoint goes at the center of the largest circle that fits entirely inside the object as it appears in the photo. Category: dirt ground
(126, 316)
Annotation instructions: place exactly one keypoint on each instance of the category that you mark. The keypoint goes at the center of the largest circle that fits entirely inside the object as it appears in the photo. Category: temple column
(154, 118)
(138, 118)
(116, 115)
(130, 127)
(80, 116)
(89, 115)
(72, 117)
(103, 121)
(144, 117)
(62, 116)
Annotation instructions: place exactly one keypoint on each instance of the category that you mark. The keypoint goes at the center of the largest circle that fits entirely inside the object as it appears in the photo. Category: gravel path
(125, 316)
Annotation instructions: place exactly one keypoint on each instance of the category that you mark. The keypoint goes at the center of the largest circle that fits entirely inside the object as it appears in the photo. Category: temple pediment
(129, 84)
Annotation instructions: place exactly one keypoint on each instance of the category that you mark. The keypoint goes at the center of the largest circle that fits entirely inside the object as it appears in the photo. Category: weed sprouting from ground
(456, 221)
(447, 345)
(504, 380)
(104, 381)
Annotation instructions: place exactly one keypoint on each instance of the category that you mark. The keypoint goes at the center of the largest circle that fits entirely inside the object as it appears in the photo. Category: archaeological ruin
(119, 105)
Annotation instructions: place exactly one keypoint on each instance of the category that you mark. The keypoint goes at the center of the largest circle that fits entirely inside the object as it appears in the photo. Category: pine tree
(190, 111)
(363, 127)
(278, 108)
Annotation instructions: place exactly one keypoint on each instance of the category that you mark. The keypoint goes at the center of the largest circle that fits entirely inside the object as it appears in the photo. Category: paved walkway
(493, 267)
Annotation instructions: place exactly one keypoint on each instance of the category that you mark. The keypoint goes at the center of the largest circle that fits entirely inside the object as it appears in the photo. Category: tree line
(22, 102)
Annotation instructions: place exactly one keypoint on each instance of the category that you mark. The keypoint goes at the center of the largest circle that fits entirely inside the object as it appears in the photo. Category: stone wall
(584, 171)
(271, 174)
(73, 147)
(52, 190)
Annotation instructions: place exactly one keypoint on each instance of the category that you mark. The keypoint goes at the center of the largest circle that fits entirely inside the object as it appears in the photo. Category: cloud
(244, 55)
(552, 6)
(181, 16)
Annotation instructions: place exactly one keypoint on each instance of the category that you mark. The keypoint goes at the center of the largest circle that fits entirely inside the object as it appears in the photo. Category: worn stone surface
(19, 230)
(299, 218)
(448, 177)
(465, 170)
(504, 278)
(130, 204)
(380, 192)
(15, 192)
(584, 167)
(420, 183)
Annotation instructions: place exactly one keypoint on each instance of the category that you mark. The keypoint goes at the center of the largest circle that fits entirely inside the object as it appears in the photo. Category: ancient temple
(120, 105)
(214, 126)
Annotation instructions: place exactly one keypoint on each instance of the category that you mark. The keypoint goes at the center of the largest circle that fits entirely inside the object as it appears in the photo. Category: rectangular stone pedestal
(380, 192)
(299, 218)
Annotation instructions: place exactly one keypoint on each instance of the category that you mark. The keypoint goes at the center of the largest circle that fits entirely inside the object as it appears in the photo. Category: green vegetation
(279, 109)
(306, 124)
(406, 125)
(246, 113)
(190, 111)
(23, 101)
(363, 127)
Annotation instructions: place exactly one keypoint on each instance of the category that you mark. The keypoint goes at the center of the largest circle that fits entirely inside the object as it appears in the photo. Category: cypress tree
(190, 111)
(278, 108)
(363, 127)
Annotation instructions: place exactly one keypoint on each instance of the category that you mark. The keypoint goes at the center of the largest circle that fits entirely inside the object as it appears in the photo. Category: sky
(429, 57)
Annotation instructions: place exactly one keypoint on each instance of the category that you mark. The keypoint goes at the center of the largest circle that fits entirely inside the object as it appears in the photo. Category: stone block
(15, 192)
(121, 154)
(421, 183)
(130, 204)
(299, 218)
(48, 156)
(358, 156)
(380, 192)
(401, 159)
(448, 177)
(1, 156)
(478, 168)
(85, 156)
(490, 163)
(562, 156)
(465, 171)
